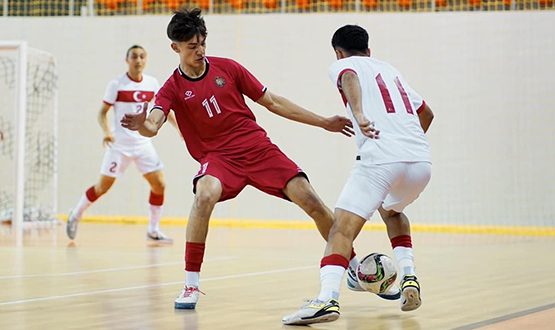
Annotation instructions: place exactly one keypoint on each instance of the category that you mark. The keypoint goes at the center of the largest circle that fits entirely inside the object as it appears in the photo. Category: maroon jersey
(211, 111)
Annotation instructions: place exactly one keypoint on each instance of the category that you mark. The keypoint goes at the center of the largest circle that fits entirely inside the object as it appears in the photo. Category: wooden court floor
(110, 279)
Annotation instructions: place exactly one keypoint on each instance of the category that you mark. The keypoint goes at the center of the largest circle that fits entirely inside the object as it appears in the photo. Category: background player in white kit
(126, 94)
(392, 169)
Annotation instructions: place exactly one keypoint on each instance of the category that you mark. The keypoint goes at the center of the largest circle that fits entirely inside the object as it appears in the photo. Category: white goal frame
(20, 47)
(19, 119)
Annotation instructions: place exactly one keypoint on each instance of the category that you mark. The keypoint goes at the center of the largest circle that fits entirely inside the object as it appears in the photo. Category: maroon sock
(194, 253)
(403, 240)
(155, 199)
(334, 260)
(353, 254)
(91, 194)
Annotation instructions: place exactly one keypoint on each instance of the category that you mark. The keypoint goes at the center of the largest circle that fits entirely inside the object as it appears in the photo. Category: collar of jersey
(195, 79)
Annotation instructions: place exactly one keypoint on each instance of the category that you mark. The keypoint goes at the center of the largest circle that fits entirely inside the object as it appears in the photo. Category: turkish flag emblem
(135, 96)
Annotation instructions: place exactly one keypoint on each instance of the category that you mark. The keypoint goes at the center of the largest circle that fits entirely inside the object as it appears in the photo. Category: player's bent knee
(206, 197)
(159, 186)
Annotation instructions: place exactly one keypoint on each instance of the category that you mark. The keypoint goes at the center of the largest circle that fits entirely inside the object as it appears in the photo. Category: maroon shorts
(264, 167)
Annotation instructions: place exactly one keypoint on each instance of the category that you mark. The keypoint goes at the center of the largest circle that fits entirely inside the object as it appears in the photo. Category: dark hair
(185, 24)
(131, 48)
(351, 38)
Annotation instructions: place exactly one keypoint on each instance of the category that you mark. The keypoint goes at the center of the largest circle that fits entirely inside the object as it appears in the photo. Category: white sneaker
(158, 237)
(188, 298)
(71, 225)
(316, 311)
(393, 293)
(411, 293)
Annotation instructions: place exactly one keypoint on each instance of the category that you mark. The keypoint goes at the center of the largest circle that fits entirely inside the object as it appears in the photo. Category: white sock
(354, 263)
(154, 216)
(331, 277)
(84, 203)
(405, 260)
(193, 279)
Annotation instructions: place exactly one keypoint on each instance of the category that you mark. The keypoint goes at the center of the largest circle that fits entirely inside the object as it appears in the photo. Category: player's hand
(134, 121)
(367, 127)
(108, 140)
(340, 124)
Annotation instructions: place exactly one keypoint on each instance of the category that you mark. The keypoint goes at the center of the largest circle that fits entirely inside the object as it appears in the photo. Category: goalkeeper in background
(126, 94)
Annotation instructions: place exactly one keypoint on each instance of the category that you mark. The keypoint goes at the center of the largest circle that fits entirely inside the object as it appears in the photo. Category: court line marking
(108, 269)
(72, 295)
(505, 318)
(296, 224)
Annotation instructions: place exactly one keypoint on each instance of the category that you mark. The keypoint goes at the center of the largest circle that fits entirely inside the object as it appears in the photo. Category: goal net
(28, 134)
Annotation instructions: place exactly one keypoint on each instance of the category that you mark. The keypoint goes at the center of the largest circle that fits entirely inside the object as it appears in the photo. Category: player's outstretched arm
(353, 94)
(148, 127)
(103, 121)
(287, 109)
(426, 116)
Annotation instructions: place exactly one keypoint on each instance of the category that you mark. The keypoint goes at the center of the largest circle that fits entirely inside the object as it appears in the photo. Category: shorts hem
(112, 175)
(356, 211)
(160, 168)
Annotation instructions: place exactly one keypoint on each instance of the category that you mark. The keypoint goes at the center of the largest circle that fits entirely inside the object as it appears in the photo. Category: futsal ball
(376, 273)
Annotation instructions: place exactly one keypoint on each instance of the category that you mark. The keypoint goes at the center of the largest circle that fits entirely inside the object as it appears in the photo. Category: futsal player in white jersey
(392, 168)
(127, 94)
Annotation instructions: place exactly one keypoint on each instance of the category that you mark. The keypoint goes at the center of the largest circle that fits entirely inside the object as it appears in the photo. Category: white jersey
(128, 96)
(388, 101)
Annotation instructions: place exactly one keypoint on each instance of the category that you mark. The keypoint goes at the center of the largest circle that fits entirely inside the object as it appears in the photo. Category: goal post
(28, 145)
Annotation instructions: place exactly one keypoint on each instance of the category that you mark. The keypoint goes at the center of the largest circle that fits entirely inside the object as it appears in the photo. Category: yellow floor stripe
(297, 224)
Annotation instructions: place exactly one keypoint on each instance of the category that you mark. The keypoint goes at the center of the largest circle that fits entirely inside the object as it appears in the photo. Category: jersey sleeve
(247, 83)
(111, 93)
(337, 70)
(164, 98)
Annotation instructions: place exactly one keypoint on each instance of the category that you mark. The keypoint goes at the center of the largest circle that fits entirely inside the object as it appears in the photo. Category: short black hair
(351, 38)
(185, 24)
(131, 48)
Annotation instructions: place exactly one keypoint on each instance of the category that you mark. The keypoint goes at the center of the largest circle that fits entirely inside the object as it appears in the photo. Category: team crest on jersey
(189, 95)
(220, 81)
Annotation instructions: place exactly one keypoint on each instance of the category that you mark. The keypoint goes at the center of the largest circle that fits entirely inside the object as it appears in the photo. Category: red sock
(403, 240)
(353, 254)
(91, 194)
(155, 199)
(334, 260)
(194, 253)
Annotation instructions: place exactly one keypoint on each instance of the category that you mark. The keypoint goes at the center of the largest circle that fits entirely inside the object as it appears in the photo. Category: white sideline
(153, 286)
(108, 269)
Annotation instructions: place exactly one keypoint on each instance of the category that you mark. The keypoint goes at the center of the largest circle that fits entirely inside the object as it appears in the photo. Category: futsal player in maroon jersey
(207, 96)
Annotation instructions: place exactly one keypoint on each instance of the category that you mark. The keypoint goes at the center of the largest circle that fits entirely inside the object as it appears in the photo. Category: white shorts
(116, 161)
(393, 186)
